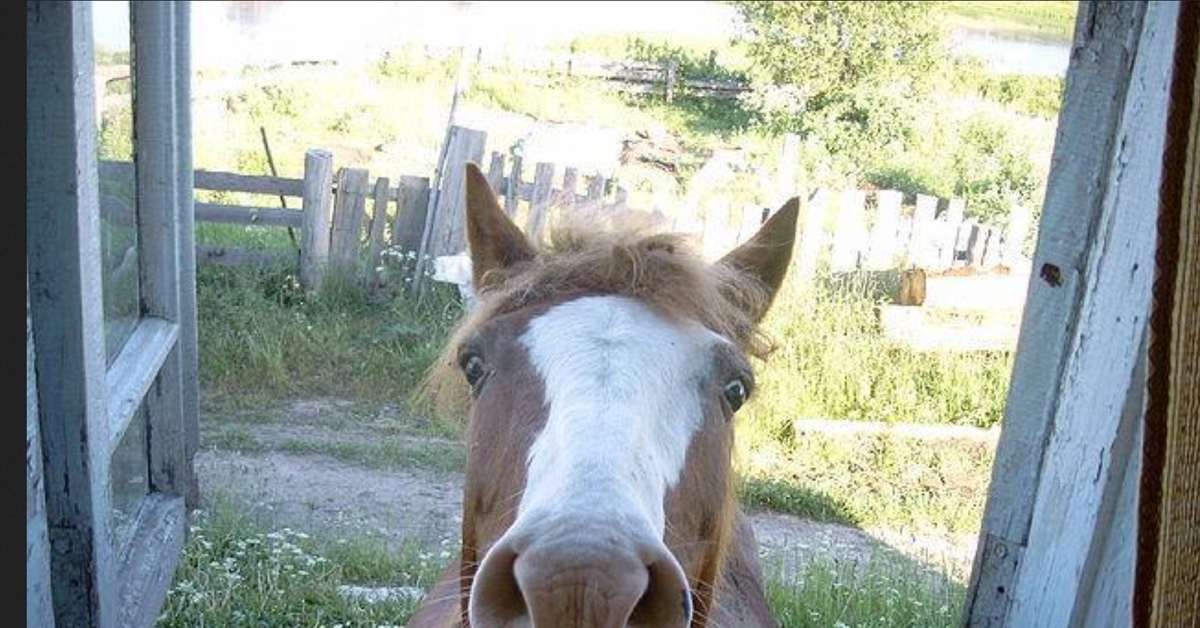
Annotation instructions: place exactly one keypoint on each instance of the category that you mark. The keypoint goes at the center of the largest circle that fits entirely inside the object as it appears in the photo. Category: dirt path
(285, 470)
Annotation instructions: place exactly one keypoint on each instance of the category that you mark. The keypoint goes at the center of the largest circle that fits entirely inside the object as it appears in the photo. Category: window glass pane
(118, 197)
(129, 477)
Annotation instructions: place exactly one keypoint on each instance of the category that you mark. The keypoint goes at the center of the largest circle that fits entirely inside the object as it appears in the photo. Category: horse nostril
(496, 598)
(667, 600)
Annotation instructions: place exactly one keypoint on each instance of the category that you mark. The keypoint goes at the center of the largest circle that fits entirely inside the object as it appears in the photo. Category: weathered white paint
(1062, 457)
(84, 405)
(39, 609)
(1081, 470)
(65, 302)
(622, 392)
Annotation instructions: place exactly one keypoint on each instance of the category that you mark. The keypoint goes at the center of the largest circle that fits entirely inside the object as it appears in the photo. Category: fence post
(921, 243)
(948, 242)
(495, 172)
(566, 199)
(379, 205)
(882, 255)
(348, 209)
(447, 236)
(512, 188)
(671, 71)
(412, 204)
(317, 207)
(851, 232)
(539, 201)
(812, 237)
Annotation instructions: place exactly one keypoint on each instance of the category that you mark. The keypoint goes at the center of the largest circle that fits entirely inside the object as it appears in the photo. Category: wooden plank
(254, 184)
(134, 371)
(448, 236)
(812, 234)
(539, 202)
(188, 332)
(495, 172)
(246, 215)
(39, 607)
(922, 247)
(317, 217)
(379, 204)
(66, 307)
(949, 227)
(849, 237)
(410, 213)
(595, 187)
(881, 253)
(512, 188)
(1055, 472)
(565, 199)
(348, 209)
(149, 567)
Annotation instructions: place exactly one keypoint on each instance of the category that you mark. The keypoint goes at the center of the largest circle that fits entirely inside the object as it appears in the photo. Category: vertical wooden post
(448, 236)
(921, 251)
(317, 210)
(512, 188)
(949, 240)
(495, 172)
(379, 205)
(566, 199)
(539, 201)
(1055, 546)
(812, 236)
(348, 209)
(595, 188)
(850, 234)
(412, 204)
(672, 70)
(882, 252)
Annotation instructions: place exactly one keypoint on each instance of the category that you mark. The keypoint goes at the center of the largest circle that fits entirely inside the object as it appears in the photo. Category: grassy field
(1051, 21)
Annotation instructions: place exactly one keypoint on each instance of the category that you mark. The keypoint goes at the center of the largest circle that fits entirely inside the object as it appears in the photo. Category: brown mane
(660, 269)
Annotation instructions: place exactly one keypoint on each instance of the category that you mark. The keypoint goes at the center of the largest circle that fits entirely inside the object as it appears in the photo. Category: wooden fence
(348, 222)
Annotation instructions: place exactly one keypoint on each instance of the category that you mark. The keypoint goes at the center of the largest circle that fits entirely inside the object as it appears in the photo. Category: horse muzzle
(579, 578)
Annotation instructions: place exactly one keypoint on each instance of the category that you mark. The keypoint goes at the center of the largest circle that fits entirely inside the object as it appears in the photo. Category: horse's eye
(736, 393)
(474, 370)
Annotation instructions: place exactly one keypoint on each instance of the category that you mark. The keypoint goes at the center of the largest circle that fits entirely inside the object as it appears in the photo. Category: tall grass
(833, 361)
(262, 337)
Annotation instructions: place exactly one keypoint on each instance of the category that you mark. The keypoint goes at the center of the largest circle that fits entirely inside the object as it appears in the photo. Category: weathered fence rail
(347, 220)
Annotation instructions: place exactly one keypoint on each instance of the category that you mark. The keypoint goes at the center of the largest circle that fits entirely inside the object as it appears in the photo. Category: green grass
(1054, 21)
(263, 338)
(885, 592)
(238, 572)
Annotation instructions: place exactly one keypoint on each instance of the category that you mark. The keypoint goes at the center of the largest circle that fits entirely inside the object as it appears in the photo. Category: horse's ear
(495, 242)
(767, 255)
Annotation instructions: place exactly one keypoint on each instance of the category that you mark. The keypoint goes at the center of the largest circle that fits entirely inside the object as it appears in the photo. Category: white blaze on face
(622, 389)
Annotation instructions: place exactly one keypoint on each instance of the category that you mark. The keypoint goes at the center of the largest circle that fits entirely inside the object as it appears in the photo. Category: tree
(844, 72)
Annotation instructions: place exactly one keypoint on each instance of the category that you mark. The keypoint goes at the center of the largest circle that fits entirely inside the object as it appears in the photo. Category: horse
(600, 375)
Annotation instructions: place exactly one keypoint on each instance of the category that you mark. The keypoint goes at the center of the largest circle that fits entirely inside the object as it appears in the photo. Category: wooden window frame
(85, 405)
